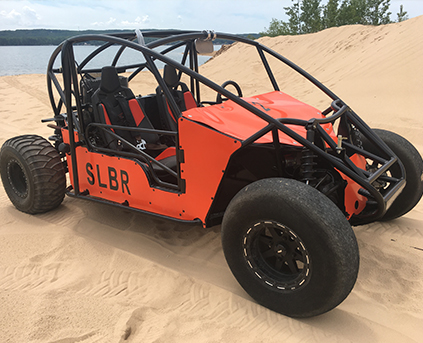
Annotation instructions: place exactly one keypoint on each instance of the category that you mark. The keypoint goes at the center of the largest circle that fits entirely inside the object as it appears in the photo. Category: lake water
(16, 60)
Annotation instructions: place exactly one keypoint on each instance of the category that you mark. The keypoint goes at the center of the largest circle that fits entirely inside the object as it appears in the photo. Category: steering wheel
(219, 98)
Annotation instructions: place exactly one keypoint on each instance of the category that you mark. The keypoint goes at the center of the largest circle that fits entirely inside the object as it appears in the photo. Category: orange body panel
(354, 202)
(236, 121)
(206, 155)
(124, 180)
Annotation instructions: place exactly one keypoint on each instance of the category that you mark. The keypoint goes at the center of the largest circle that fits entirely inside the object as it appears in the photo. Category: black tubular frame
(334, 154)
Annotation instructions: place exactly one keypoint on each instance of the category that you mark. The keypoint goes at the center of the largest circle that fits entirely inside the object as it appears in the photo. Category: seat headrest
(109, 80)
(170, 76)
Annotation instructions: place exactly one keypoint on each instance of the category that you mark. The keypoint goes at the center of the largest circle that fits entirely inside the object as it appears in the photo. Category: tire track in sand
(203, 305)
(31, 276)
(40, 95)
(391, 263)
(114, 283)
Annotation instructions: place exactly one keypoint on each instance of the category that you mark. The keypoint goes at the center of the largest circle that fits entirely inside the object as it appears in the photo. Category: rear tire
(290, 247)
(32, 173)
(413, 165)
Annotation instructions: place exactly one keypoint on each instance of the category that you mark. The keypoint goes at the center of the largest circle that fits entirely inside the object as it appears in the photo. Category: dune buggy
(285, 180)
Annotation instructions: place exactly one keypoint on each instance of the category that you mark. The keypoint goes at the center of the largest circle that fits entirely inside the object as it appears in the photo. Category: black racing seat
(114, 104)
(183, 98)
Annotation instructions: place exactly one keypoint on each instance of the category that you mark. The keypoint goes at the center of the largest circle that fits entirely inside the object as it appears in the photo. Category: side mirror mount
(204, 47)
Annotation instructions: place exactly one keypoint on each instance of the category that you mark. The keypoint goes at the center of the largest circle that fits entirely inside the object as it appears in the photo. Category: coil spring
(356, 138)
(308, 165)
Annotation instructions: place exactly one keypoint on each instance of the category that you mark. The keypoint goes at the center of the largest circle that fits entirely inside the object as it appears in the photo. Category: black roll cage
(334, 153)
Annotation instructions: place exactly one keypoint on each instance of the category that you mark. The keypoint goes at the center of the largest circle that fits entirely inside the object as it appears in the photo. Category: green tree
(306, 16)
(294, 14)
(310, 16)
(292, 27)
(276, 28)
(401, 15)
(378, 12)
(352, 12)
(330, 14)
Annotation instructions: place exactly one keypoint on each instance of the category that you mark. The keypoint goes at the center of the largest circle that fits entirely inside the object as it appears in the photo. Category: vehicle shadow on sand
(187, 248)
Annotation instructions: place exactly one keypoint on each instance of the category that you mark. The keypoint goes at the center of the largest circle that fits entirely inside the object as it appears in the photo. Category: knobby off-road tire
(413, 165)
(290, 247)
(32, 174)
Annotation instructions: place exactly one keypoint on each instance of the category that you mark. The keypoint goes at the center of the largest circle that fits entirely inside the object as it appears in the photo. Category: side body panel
(125, 181)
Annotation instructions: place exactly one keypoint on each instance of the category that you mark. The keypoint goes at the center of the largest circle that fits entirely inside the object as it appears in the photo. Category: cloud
(110, 23)
(30, 15)
(138, 22)
(27, 17)
(12, 15)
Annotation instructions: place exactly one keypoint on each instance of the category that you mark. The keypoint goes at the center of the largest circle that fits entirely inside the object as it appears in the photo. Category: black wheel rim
(17, 178)
(277, 256)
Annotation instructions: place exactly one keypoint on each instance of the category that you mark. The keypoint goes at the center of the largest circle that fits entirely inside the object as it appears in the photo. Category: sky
(232, 16)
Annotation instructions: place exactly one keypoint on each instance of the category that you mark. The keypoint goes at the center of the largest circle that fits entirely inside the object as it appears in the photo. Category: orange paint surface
(206, 154)
(238, 122)
(124, 180)
(354, 202)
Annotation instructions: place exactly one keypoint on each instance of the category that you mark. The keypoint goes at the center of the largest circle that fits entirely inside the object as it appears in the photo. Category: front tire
(290, 247)
(32, 173)
(413, 164)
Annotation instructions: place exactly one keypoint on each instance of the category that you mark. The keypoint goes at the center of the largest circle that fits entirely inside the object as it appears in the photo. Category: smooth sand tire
(32, 173)
(290, 247)
(413, 165)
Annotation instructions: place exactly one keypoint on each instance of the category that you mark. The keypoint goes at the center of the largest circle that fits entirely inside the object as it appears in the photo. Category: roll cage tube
(340, 161)
(69, 74)
(137, 153)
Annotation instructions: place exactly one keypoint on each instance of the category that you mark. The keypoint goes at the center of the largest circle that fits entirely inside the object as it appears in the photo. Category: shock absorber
(356, 137)
(307, 159)
(308, 166)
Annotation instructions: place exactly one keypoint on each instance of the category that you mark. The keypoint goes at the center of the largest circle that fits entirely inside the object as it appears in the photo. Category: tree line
(55, 37)
(308, 16)
(42, 36)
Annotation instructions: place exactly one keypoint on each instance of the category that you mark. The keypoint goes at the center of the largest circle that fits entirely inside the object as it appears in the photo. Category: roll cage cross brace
(336, 153)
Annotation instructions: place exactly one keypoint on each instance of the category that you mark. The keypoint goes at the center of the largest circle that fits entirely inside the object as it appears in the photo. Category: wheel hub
(280, 250)
(277, 256)
(17, 178)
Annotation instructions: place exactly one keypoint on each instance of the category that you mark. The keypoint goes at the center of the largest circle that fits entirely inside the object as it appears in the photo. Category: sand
(89, 273)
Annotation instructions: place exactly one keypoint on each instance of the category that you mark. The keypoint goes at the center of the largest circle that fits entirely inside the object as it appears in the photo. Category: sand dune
(89, 273)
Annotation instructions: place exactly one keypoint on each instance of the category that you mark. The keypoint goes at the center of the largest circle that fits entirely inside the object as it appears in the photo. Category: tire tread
(45, 168)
